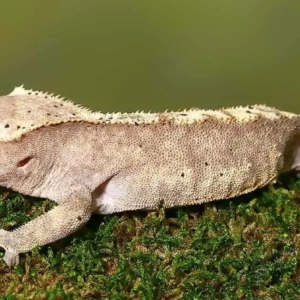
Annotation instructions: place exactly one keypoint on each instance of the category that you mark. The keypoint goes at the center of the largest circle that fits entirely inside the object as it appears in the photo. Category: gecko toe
(11, 257)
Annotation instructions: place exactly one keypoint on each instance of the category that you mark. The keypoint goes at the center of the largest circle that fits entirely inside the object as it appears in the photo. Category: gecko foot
(11, 256)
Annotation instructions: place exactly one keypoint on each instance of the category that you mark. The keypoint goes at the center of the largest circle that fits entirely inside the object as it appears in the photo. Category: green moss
(245, 248)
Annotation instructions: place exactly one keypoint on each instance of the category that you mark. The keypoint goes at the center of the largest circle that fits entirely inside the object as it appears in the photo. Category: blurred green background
(131, 55)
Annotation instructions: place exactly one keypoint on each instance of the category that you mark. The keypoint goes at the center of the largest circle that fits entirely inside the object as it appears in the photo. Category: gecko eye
(24, 162)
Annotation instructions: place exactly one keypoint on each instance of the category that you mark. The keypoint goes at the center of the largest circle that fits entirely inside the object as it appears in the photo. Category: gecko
(101, 163)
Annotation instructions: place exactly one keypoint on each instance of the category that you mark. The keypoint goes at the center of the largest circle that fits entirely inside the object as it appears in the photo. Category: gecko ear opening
(24, 162)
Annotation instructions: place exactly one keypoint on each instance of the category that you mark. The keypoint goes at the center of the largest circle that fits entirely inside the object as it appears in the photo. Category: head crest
(24, 110)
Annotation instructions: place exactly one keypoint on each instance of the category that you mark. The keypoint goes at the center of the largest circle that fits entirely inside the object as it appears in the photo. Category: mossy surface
(244, 248)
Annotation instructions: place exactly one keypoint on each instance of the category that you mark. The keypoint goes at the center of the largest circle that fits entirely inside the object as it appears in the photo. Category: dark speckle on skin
(6, 126)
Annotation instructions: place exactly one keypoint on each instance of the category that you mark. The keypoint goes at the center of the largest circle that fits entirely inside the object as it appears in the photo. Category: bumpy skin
(104, 163)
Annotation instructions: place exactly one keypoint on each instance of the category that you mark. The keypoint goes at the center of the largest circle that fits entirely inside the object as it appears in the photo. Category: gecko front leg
(72, 212)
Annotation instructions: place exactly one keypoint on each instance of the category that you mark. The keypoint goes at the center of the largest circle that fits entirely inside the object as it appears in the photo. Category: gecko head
(17, 166)
(22, 113)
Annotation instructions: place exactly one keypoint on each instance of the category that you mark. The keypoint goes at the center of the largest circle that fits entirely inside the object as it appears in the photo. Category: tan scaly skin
(104, 163)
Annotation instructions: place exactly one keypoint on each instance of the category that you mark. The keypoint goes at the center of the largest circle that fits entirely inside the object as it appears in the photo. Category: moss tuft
(244, 248)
